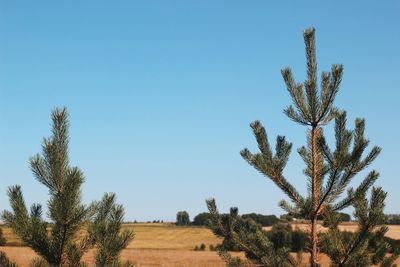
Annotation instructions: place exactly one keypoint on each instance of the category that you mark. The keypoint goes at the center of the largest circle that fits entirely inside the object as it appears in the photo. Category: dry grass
(141, 258)
(169, 236)
(167, 245)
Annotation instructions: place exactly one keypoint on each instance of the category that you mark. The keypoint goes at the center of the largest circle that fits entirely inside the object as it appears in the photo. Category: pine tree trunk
(313, 257)
(315, 196)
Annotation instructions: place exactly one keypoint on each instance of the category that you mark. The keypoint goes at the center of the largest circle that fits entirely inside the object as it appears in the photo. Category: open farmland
(164, 245)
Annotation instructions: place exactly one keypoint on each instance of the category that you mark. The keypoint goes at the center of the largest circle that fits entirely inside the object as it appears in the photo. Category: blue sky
(161, 94)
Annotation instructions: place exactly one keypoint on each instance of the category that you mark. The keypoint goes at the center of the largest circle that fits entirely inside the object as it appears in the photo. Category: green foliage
(105, 232)
(2, 238)
(281, 235)
(249, 237)
(5, 262)
(264, 220)
(299, 241)
(201, 219)
(182, 218)
(365, 247)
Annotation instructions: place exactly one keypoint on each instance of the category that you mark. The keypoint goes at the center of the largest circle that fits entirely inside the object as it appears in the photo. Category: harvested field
(166, 245)
(141, 258)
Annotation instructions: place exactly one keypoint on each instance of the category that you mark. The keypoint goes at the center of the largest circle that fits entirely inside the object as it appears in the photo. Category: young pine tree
(328, 172)
(57, 242)
(62, 247)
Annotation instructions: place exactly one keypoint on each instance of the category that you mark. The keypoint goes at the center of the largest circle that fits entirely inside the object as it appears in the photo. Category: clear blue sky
(161, 93)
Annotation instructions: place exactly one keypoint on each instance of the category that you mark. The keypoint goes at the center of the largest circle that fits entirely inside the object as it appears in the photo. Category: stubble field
(163, 245)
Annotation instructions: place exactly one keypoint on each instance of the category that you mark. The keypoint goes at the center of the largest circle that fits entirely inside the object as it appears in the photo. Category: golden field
(164, 245)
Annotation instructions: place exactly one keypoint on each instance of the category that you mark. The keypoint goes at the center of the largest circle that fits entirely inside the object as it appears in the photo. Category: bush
(2, 238)
(281, 235)
(202, 247)
(299, 241)
(211, 247)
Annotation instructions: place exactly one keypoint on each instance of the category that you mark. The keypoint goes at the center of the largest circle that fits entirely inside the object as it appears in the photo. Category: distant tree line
(202, 218)
(393, 219)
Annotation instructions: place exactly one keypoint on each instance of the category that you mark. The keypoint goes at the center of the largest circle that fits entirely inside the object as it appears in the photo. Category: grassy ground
(165, 245)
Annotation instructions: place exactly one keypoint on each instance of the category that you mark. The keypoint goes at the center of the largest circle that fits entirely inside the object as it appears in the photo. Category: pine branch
(105, 232)
(249, 237)
(271, 165)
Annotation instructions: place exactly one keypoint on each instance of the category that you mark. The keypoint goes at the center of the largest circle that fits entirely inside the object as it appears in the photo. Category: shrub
(281, 235)
(2, 238)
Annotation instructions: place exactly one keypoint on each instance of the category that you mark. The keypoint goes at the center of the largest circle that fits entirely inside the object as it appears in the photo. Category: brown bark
(315, 196)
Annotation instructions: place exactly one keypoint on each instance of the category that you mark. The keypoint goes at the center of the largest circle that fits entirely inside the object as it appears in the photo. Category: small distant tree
(105, 233)
(182, 218)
